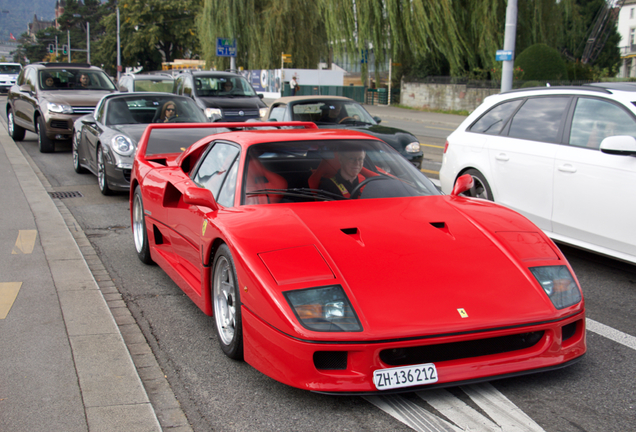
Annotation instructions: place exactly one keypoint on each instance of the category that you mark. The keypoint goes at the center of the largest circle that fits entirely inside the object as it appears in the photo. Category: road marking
(431, 145)
(500, 413)
(25, 242)
(429, 171)
(8, 294)
(440, 128)
(611, 333)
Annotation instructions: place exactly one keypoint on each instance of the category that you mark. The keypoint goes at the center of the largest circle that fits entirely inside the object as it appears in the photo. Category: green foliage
(540, 62)
(577, 71)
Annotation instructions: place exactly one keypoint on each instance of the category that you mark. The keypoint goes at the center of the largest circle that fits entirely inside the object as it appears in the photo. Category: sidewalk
(64, 365)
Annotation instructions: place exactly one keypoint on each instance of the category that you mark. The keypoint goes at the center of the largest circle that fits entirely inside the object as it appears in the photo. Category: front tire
(16, 132)
(140, 234)
(45, 144)
(481, 188)
(226, 300)
(76, 158)
(102, 177)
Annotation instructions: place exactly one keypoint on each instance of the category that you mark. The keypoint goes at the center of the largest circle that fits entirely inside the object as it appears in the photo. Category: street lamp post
(118, 48)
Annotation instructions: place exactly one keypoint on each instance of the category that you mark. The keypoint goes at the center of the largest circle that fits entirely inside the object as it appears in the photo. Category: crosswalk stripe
(25, 242)
(8, 294)
(611, 333)
(457, 411)
(411, 414)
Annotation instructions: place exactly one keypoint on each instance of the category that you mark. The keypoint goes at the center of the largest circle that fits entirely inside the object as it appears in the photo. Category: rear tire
(481, 188)
(226, 301)
(45, 144)
(16, 132)
(76, 158)
(140, 234)
(102, 177)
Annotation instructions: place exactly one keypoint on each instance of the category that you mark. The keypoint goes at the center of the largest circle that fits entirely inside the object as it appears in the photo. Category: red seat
(258, 177)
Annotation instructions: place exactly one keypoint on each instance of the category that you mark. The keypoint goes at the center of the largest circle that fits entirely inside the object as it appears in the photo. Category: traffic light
(51, 48)
(65, 49)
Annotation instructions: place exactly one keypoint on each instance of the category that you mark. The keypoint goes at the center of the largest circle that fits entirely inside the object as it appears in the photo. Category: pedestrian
(294, 85)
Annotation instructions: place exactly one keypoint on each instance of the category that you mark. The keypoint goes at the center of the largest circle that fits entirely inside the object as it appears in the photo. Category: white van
(8, 75)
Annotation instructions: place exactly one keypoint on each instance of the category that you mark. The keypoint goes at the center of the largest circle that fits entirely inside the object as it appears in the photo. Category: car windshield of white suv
(74, 79)
(227, 86)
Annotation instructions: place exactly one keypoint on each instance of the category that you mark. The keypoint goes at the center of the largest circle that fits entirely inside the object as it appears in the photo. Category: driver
(168, 112)
(348, 176)
(331, 113)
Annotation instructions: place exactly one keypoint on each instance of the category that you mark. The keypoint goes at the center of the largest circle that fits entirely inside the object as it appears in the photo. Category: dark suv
(222, 96)
(48, 97)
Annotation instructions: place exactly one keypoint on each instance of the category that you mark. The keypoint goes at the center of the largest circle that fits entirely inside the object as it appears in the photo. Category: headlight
(325, 309)
(213, 113)
(263, 112)
(414, 147)
(122, 145)
(60, 108)
(558, 284)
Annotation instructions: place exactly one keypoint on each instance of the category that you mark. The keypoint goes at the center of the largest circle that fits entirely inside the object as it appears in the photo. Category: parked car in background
(105, 143)
(223, 96)
(395, 288)
(565, 157)
(8, 75)
(159, 82)
(48, 97)
(335, 112)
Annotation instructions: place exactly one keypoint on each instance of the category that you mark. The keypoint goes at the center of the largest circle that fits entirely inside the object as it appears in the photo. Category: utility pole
(118, 49)
(509, 45)
(68, 44)
(88, 42)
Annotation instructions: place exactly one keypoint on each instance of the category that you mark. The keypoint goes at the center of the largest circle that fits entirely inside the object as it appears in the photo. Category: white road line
(506, 414)
(457, 411)
(411, 414)
(611, 333)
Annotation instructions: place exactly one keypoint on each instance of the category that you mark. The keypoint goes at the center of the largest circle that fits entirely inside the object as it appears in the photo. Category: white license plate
(405, 376)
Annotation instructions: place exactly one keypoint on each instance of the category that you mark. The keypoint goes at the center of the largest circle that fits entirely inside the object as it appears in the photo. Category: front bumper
(294, 362)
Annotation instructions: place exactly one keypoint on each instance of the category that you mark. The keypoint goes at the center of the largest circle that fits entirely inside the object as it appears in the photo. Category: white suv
(8, 74)
(565, 157)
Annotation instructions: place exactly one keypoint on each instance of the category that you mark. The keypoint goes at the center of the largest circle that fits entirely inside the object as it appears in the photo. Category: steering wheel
(346, 118)
(173, 119)
(358, 189)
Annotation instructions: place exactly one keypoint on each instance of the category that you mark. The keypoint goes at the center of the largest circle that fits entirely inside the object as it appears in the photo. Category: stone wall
(451, 97)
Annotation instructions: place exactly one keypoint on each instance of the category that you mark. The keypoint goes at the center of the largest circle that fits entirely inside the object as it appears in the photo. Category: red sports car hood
(410, 265)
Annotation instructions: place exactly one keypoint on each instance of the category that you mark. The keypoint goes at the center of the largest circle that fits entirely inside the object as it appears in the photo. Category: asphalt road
(596, 394)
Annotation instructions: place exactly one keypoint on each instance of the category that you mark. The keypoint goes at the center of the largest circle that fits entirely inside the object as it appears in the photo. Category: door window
(595, 119)
(214, 170)
(278, 113)
(540, 119)
(494, 120)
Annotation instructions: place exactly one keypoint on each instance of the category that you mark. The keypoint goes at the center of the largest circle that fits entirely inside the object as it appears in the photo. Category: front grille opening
(330, 360)
(60, 195)
(127, 174)
(459, 350)
(567, 331)
(59, 124)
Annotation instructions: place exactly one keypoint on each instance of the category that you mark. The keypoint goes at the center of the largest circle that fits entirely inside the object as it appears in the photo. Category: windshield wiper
(318, 194)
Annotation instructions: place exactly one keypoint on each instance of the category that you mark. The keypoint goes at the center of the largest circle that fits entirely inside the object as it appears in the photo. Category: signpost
(227, 48)
(503, 55)
(284, 58)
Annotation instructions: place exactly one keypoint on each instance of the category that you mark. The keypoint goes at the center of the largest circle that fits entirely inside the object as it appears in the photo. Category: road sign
(287, 58)
(504, 55)
(225, 47)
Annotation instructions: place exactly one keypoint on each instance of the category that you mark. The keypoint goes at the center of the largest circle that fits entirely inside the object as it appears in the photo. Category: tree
(151, 31)
(74, 20)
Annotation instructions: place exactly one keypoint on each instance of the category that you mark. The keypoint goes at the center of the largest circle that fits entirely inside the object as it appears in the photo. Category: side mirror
(200, 197)
(377, 119)
(26, 88)
(261, 95)
(88, 120)
(622, 145)
(462, 184)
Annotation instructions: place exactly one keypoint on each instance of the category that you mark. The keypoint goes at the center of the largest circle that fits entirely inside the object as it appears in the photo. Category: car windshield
(10, 69)
(75, 79)
(154, 85)
(315, 171)
(145, 109)
(169, 141)
(223, 86)
(331, 112)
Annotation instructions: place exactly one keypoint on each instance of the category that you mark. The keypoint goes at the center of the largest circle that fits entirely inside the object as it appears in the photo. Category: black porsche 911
(336, 112)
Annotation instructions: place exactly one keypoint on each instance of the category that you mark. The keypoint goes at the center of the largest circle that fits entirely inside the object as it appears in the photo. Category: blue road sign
(504, 55)
(225, 47)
